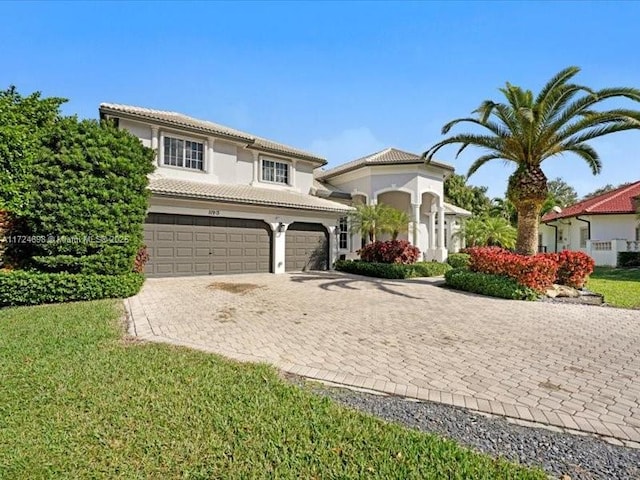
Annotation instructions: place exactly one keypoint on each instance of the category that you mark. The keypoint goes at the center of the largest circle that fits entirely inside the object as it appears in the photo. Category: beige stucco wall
(226, 162)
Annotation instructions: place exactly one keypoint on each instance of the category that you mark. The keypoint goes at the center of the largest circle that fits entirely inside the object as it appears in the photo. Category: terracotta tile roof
(244, 194)
(389, 156)
(179, 120)
(620, 200)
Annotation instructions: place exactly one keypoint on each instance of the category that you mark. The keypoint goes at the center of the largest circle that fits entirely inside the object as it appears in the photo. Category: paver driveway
(567, 365)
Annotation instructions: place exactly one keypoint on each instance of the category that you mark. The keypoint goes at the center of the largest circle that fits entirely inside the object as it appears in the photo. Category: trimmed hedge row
(459, 260)
(487, 284)
(629, 259)
(392, 270)
(20, 287)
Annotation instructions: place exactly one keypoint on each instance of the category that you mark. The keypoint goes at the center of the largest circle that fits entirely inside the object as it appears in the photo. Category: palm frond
(484, 159)
(560, 78)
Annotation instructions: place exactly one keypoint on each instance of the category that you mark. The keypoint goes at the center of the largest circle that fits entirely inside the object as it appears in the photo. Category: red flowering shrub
(537, 272)
(393, 251)
(142, 257)
(573, 267)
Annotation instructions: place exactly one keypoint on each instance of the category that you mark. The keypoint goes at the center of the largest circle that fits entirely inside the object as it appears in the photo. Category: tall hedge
(90, 199)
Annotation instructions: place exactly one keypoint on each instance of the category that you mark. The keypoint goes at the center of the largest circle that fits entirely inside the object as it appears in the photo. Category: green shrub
(392, 270)
(78, 187)
(459, 260)
(20, 287)
(487, 284)
(429, 269)
(629, 259)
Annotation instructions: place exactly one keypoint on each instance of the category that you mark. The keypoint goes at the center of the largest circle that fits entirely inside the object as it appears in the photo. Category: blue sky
(340, 79)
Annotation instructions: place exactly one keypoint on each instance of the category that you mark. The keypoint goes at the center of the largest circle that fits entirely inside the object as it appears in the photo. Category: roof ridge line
(610, 195)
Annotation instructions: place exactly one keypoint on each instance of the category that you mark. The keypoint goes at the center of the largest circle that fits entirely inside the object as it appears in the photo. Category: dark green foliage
(429, 269)
(458, 260)
(486, 284)
(33, 288)
(629, 259)
(90, 199)
(24, 123)
(469, 197)
(392, 270)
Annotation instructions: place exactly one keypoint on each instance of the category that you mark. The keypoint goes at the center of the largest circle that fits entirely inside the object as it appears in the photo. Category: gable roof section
(388, 156)
(178, 120)
(244, 194)
(621, 200)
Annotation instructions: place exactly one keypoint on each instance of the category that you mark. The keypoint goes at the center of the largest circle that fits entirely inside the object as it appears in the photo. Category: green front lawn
(78, 400)
(620, 286)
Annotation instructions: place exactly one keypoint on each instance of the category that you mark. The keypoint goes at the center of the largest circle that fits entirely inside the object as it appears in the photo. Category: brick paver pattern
(572, 366)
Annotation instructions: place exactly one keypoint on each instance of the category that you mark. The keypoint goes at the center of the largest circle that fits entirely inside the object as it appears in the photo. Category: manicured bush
(573, 267)
(392, 270)
(393, 251)
(629, 259)
(19, 287)
(487, 284)
(429, 269)
(373, 269)
(459, 260)
(536, 271)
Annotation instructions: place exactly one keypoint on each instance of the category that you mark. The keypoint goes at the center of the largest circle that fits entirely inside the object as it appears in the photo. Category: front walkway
(575, 367)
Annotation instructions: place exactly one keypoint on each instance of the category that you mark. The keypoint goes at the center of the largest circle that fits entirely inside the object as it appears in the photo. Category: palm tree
(395, 222)
(527, 130)
(368, 220)
(488, 231)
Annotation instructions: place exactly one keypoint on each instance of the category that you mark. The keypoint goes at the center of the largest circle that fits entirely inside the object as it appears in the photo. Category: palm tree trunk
(528, 222)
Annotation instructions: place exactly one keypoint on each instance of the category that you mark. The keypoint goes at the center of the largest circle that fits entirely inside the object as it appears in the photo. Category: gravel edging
(577, 457)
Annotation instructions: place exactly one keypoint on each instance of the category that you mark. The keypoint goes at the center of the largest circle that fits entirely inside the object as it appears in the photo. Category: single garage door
(306, 247)
(189, 245)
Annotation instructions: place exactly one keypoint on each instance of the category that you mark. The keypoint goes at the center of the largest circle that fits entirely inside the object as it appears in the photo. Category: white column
(373, 200)
(256, 167)
(442, 251)
(333, 245)
(432, 229)
(416, 223)
(278, 251)
(209, 144)
(154, 143)
(292, 174)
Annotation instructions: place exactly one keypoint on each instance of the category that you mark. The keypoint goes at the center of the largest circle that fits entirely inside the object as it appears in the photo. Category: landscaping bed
(78, 400)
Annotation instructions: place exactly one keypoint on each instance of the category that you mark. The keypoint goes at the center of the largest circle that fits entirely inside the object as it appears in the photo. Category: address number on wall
(215, 213)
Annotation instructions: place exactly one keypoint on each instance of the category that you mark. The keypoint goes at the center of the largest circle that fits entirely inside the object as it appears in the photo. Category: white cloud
(347, 145)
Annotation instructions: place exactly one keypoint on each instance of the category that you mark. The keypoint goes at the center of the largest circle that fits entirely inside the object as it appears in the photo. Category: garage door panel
(306, 247)
(184, 245)
(164, 236)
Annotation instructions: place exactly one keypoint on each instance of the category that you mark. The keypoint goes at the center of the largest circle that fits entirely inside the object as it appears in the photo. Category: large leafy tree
(561, 194)
(463, 195)
(527, 129)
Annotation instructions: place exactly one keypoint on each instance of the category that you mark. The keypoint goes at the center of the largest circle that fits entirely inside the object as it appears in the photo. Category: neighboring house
(225, 201)
(600, 226)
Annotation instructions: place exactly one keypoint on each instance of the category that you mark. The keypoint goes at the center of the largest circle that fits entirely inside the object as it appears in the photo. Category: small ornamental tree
(90, 199)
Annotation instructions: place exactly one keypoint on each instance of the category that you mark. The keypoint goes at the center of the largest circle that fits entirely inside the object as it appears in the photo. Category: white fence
(605, 253)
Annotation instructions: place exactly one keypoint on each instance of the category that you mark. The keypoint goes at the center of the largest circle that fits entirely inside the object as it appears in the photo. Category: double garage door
(181, 245)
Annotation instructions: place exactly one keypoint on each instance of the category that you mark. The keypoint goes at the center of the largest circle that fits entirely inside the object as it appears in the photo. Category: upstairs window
(183, 153)
(276, 172)
(343, 234)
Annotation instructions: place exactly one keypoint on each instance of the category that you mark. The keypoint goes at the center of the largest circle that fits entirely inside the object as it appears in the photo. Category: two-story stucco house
(226, 201)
